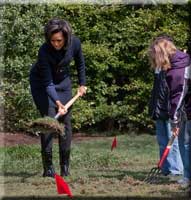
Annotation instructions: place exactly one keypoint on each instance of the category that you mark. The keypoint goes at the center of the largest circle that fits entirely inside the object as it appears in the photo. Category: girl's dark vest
(159, 105)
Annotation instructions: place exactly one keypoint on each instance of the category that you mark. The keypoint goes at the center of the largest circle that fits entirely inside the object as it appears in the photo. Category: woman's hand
(82, 90)
(61, 108)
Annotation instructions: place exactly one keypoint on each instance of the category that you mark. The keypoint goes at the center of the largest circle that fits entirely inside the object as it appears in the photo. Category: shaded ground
(12, 139)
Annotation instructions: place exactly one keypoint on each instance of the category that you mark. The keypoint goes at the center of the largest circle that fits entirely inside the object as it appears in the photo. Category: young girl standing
(169, 90)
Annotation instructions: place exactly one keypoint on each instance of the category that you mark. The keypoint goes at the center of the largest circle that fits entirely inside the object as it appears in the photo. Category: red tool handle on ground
(166, 151)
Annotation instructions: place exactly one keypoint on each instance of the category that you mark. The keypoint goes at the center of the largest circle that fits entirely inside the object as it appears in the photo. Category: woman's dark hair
(55, 26)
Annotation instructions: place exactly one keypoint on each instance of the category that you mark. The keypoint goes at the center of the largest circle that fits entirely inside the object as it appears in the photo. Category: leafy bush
(114, 39)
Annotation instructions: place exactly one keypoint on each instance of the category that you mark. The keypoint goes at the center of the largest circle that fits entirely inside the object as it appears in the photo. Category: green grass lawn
(95, 170)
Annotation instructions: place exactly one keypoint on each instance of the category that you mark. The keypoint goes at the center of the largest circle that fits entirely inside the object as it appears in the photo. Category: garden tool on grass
(48, 124)
(156, 171)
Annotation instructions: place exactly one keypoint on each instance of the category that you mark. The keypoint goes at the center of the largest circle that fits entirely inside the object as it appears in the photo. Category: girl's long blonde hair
(160, 52)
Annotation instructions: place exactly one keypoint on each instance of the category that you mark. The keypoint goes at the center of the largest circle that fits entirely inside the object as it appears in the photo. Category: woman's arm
(45, 73)
(80, 63)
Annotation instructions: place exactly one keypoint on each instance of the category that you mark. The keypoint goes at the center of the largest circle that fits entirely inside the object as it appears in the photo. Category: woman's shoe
(64, 170)
(49, 172)
(64, 162)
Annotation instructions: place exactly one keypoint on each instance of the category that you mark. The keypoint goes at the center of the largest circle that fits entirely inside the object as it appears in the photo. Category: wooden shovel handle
(69, 103)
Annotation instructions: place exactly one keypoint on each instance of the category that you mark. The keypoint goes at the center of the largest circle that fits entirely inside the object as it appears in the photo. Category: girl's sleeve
(178, 85)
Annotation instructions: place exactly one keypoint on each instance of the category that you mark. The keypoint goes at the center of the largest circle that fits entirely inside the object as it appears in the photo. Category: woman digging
(51, 88)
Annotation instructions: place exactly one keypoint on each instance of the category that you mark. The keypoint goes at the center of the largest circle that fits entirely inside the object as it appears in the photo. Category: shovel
(48, 124)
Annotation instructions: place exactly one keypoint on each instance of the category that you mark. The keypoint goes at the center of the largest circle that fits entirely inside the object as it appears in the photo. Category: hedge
(114, 39)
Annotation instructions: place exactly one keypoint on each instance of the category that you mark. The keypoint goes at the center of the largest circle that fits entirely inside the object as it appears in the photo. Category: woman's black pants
(64, 140)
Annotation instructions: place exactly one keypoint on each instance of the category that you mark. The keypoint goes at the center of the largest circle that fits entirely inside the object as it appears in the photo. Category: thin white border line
(101, 2)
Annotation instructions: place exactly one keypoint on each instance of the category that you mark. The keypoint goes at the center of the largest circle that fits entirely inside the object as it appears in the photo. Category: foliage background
(114, 39)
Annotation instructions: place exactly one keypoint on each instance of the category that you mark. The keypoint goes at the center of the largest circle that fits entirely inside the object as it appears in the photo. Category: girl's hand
(175, 131)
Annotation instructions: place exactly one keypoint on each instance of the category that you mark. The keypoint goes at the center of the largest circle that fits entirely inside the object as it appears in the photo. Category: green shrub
(114, 39)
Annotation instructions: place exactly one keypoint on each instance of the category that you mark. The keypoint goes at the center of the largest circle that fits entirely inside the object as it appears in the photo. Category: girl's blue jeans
(184, 139)
(173, 163)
